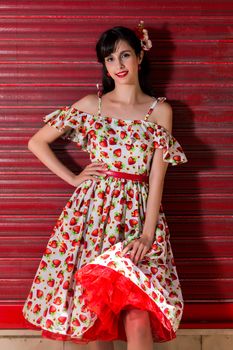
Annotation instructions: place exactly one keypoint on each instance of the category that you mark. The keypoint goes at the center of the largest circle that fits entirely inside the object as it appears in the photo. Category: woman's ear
(141, 56)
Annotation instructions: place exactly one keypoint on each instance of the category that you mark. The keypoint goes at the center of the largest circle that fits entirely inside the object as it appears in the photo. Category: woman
(108, 270)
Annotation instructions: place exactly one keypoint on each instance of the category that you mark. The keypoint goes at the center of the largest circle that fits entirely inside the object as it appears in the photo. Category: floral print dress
(83, 286)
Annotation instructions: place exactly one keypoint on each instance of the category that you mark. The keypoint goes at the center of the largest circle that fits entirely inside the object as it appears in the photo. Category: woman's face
(125, 60)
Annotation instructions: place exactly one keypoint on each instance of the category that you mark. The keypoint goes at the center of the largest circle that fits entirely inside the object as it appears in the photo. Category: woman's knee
(137, 321)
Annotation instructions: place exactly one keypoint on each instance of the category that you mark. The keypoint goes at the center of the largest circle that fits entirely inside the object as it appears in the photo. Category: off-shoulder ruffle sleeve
(172, 150)
(69, 116)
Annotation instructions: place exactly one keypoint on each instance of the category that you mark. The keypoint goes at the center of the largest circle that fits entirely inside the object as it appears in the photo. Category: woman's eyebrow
(120, 52)
(124, 51)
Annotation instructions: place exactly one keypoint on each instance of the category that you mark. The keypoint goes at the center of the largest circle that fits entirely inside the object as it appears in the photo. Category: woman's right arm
(38, 144)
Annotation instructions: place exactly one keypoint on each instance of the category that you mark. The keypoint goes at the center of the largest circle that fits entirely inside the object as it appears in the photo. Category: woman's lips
(122, 75)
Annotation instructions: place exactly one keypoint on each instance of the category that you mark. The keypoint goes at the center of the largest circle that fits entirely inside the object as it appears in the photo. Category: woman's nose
(121, 64)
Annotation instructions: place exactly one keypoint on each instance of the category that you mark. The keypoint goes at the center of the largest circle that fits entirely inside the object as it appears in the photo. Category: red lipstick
(122, 74)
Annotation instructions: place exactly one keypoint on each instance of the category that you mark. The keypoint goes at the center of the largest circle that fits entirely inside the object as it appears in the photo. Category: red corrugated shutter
(47, 61)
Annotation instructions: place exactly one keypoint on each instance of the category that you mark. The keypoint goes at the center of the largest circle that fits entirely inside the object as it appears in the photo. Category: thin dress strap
(159, 99)
(99, 106)
(99, 100)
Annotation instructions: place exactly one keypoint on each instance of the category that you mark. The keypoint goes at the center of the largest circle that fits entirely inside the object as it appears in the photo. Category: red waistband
(121, 174)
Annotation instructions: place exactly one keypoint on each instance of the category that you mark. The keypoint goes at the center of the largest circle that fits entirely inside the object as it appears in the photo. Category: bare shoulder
(87, 103)
(163, 115)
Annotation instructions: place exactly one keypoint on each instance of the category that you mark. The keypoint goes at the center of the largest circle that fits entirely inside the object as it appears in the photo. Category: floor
(187, 339)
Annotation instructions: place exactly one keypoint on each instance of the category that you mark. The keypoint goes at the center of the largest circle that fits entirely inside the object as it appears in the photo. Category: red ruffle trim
(108, 293)
(53, 335)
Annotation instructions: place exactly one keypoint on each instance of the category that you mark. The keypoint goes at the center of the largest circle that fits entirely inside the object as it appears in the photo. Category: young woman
(108, 271)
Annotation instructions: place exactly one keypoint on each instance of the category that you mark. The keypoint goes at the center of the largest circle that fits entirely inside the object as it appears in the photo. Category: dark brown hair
(107, 44)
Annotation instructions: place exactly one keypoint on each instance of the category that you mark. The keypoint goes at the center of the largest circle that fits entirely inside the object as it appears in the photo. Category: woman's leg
(138, 330)
(101, 345)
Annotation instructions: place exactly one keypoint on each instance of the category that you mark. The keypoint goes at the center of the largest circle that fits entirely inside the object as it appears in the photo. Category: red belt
(121, 174)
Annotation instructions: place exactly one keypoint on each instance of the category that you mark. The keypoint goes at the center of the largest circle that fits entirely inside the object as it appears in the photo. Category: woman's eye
(124, 55)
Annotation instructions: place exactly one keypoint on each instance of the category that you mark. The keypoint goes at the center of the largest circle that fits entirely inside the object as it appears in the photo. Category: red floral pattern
(81, 270)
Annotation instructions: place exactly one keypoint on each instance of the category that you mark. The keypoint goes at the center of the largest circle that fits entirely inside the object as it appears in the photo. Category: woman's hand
(95, 168)
(140, 246)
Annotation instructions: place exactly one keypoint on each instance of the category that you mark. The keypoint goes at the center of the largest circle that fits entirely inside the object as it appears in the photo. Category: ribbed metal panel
(47, 61)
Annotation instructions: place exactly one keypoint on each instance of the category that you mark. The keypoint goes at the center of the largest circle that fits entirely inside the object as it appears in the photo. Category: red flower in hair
(142, 35)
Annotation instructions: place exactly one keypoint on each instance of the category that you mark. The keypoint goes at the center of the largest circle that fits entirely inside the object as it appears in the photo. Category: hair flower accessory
(142, 34)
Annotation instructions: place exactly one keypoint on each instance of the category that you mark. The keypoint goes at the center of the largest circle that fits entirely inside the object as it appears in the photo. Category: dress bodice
(123, 144)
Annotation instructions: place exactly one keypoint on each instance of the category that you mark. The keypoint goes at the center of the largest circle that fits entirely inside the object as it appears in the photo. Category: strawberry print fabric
(83, 287)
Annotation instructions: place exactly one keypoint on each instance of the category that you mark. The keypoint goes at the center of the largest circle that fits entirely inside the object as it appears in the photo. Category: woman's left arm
(156, 183)
(157, 177)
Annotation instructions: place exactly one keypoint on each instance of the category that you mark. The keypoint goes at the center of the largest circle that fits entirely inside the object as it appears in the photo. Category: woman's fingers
(96, 168)
(144, 251)
(132, 245)
(138, 251)
(97, 165)
(95, 172)
(135, 249)
(126, 249)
